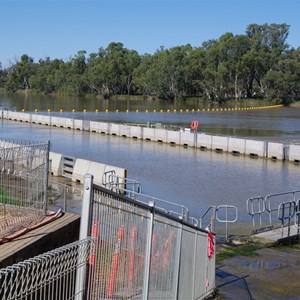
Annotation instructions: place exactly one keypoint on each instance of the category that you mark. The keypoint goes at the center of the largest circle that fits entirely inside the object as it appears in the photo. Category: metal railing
(142, 252)
(48, 276)
(223, 214)
(119, 184)
(275, 210)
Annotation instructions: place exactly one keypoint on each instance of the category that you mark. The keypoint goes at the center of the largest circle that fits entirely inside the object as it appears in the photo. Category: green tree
(283, 81)
(20, 73)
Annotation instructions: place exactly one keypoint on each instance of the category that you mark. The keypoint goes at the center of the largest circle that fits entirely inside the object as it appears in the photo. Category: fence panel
(48, 276)
(143, 252)
(24, 170)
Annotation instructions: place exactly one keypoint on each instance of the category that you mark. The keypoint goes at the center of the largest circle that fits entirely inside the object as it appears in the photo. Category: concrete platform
(59, 232)
(276, 235)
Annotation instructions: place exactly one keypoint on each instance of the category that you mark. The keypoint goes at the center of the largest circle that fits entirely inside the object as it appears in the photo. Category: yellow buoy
(84, 110)
(61, 110)
(73, 110)
(96, 110)
(106, 110)
(36, 110)
(49, 110)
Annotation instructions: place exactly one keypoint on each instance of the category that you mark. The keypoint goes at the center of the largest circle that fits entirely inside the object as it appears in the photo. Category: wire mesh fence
(48, 276)
(140, 252)
(23, 184)
(131, 251)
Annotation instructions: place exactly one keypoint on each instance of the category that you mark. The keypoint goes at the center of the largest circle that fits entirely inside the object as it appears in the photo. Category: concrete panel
(56, 163)
(204, 141)
(255, 148)
(136, 132)
(275, 150)
(149, 134)
(13, 115)
(4, 114)
(94, 126)
(236, 146)
(62, 122)
(173, 137)
(294, 153)
(40, 119)
(104, 127)
(81, 168)
(115, 129)
(124, 130)
(188, 139)
(97, 170)
(19, 116)
(161, 135)
(219, 143)
(78, 124)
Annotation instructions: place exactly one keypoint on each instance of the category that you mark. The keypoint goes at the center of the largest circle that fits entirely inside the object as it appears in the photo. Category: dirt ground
(273, 273)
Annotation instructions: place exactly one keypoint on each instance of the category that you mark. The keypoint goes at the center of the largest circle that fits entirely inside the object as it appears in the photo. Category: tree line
(258, 64)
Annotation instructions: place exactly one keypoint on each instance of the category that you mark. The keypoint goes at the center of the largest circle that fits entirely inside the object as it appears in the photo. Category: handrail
(260, 208)
(215, 217)
(184, 214)
(268, 202)
(282, 216)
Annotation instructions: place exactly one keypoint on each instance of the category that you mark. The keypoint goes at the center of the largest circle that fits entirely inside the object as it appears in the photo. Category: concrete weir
(202, 141)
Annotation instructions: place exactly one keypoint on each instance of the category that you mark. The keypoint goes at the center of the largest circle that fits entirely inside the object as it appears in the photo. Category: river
(186, 176)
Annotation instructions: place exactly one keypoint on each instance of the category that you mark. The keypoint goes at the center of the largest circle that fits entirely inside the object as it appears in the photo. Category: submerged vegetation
(258, 64)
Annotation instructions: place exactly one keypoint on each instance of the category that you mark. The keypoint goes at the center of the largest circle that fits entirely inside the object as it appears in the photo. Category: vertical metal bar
(213, 218)
(46, 174)
(65, 198)
(194, 265)
(148, 252)
(85, 226)
(226, 222)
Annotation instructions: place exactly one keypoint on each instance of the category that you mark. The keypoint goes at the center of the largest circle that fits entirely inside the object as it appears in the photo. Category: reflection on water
(258, 264)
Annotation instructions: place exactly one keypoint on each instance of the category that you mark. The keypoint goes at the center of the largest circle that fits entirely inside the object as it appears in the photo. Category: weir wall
(237, 146)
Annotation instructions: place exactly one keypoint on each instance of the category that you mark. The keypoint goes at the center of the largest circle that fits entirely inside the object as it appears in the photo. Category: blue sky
(61, 28)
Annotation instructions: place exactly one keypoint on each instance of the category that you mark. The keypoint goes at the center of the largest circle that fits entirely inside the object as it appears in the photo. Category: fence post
(148, 252)
(46, 174)
(85, 226)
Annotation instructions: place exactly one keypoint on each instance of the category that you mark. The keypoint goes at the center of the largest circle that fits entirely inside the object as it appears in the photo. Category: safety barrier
(173, 136)
(275, 210)
(51, 275)
(75, 168)
(140, 251)
(223, 214)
